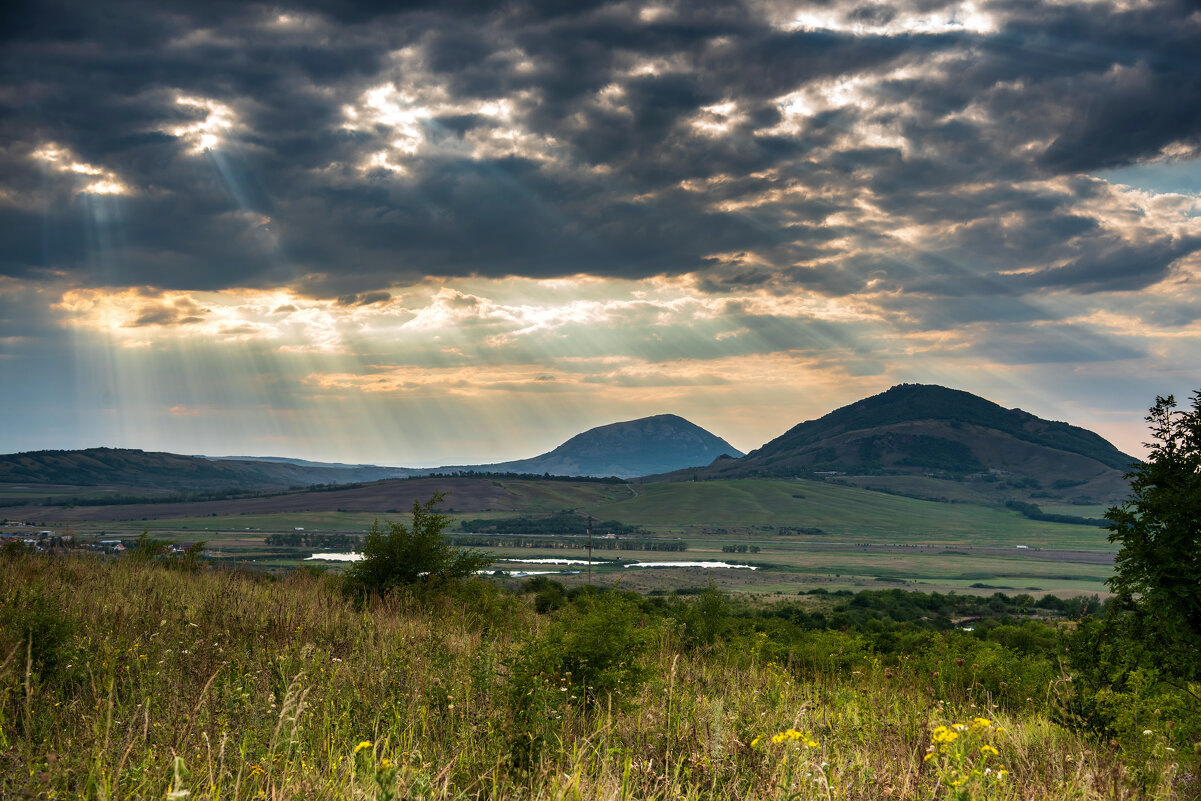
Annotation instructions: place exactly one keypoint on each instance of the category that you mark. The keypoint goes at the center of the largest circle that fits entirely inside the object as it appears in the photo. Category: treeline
(740, 549)
(314, 540)
(598, 543)
(879, 611)
(558, 524)
(121, 499)
(523, 477)
(1032, 511)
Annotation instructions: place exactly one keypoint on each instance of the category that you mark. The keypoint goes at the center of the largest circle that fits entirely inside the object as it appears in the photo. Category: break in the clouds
(553, 214)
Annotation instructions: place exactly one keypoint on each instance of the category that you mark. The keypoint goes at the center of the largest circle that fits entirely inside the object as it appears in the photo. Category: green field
(841, 512)
(808, 533)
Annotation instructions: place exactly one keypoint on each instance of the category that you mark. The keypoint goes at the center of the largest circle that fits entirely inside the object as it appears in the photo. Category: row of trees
(598, 543)
(304, 539)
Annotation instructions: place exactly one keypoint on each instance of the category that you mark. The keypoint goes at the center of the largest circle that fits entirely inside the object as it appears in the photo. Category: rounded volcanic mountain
(657, 444)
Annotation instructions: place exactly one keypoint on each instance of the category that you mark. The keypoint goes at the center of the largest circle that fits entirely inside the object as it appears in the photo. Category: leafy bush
(33, 623)
(594, 649)
(702, 621)
(396, 555)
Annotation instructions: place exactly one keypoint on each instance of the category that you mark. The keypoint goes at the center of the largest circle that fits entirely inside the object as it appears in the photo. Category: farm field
(395, 496)
(807, 533)
(757, 506)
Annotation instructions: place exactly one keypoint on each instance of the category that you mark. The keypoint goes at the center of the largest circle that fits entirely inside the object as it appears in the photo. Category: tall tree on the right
(1158, 566)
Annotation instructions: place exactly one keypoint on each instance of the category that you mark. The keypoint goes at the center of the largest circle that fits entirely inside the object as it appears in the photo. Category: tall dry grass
(120, 680)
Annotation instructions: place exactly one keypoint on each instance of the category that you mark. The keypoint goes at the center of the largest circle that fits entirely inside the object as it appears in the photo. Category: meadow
(121, 679)
(807, 532)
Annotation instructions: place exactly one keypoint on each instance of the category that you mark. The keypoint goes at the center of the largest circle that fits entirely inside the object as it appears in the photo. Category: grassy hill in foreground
(145, 682)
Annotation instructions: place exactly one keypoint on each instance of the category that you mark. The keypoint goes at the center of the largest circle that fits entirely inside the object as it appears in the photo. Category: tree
(147, 548)
(395, 555)
(1158, 566)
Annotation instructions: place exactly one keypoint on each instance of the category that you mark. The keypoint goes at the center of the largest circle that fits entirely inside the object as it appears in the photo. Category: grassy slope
(234, 687)
(377, 498)
(862, 515)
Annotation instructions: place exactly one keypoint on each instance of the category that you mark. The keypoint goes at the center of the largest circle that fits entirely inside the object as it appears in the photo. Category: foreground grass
(120, 680)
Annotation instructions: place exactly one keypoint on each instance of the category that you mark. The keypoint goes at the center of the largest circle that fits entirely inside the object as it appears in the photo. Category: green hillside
(839, 511)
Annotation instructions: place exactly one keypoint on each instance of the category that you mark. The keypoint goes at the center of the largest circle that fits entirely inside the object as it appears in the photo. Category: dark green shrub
(396, 555)
(32, 621)
(594, 649)
(704, 620)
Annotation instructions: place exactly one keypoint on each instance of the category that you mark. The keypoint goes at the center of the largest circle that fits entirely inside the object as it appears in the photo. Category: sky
(451, 233)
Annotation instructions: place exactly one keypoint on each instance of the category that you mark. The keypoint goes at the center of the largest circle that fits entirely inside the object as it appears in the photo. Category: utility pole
(589, 549)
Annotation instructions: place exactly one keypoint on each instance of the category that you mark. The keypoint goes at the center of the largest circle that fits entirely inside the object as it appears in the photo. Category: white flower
(1146, 731)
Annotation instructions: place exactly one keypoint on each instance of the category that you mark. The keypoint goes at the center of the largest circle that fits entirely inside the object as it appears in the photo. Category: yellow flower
(755, 742)
(988, 749)
(791, 734)
(361, 746)
(944, 735)
(385, 763)
(981, 723)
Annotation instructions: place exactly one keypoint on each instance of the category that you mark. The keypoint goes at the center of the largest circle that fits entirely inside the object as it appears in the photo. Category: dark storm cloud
(643, 144)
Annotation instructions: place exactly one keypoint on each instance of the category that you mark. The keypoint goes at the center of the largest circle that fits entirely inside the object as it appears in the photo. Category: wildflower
(1146, 731)
(944, 735)
(792, 734)
(988, 749)
(361, 746)
(981, 723)
(755, 742)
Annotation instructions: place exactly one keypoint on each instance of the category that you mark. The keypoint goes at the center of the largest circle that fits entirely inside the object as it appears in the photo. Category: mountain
(930, 430)
(656, 444)
(634, 448)
(135, 468)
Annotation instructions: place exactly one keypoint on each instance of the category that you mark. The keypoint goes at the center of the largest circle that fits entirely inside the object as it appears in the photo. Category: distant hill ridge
(906, 403)
(137, 468)
(656, 444)
(627, 449)
(933, 431)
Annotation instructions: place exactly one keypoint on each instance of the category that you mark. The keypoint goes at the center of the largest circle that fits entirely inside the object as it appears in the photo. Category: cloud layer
(525, 197)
